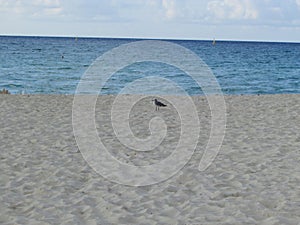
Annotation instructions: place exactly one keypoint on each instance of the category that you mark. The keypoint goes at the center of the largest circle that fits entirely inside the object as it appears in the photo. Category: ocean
(55, 65)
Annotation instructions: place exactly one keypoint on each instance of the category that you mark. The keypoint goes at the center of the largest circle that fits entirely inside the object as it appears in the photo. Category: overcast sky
(270, 20)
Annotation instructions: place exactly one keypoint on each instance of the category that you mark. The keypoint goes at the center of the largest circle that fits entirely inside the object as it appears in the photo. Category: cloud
(232, 9)
(31, 8)
(47, 3)
(194, 11)
(179, 11)
(277, 12)
(47, 7)
(170, 9)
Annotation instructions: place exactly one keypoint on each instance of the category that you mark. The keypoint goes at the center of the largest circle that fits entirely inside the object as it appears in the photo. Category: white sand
(255, 179)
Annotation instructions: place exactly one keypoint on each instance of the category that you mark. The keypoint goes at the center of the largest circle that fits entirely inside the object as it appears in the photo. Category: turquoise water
(50, 65)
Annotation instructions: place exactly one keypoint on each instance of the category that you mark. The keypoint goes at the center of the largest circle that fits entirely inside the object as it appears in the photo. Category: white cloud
(170, 8)
(47, 7)
(278, 13)
(298, 4)
(47, 3)
(232, 9)
(11, 6)
(31, 8)
(251, 11)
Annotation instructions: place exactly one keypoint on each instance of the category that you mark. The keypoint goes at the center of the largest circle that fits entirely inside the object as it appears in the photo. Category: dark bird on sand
(158, 104)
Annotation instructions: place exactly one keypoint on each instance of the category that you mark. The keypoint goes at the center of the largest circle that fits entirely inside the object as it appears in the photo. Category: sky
(257, 20)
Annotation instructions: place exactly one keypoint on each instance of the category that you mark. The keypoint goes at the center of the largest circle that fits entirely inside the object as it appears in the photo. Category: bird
(158, 104)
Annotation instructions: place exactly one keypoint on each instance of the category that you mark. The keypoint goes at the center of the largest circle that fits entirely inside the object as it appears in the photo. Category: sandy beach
(254, 179)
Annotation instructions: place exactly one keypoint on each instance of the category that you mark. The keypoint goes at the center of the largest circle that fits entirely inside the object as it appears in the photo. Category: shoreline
(103, 95)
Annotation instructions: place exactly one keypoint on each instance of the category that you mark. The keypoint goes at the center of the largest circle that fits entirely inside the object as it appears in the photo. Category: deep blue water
(35, 65)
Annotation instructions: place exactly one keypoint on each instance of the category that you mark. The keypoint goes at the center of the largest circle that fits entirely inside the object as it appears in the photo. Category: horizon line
(148, 38)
